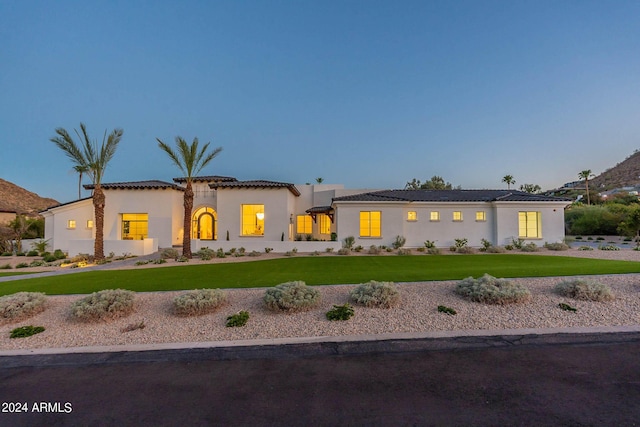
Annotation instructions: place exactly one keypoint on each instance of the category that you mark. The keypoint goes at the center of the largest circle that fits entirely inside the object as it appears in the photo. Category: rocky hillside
(624, 174)
(15, 198)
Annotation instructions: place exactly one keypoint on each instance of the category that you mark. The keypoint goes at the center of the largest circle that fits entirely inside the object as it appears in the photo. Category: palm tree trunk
(586, 183)
(98, 207)
(188, 206)
(79, 186)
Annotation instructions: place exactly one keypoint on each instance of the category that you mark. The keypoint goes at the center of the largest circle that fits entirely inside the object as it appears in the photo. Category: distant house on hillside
(141, 217)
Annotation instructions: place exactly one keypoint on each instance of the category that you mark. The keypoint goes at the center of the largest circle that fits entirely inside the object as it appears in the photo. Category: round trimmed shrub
(584, 290)
(556, 246)
(490, 290)
(376, 294)
(291, 296)
(198, 301)
(21, 305)
(103, 305)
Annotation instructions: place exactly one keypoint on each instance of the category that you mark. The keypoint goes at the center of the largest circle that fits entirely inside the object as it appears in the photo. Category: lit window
(71, 224)
(252, 220)
(435, 216)
(90, 223)
(303, 224)
(324, 224)
(135, 226)
(481, 216)
(529, 225)
(412, 216)
(457, 215)
(204, 225)
(370, 223)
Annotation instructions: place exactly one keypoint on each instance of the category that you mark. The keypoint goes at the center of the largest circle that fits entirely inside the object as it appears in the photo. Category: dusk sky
(369, 94)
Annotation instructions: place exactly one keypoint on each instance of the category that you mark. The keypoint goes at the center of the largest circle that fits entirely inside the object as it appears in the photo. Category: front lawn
(320, 271)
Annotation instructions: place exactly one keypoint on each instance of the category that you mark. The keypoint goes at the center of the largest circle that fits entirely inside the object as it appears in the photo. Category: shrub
(460, 243)
(567, 307)
(466, 250)
(308, 237)
(220, 253)
(529, 247)
(6, 266)
(37, 263)
(49, 258)
(608, 248)
(340, 312)
(297, 237)
(59, 254)
(585, 248)
(517, 243)
(344, 251)
(496, 250)
(142, 262)
(334, 237)
(399, 242)
(238, 319)
(20, 254)
(600, 238)
(205, 254)
(182, 259)
(22, 265)
(82, 258)
(103, 305)
(133, 327)
(584, 290)
(508, 247)
(447, 310)
(329, 250)
(21, 305)
(485, 245)
(199, 301)
(358, 248)
(254, 253)
(26, 331)
(421, 249)
(374, 250)
(267, 250)
(490, 290)
(376, 294)
(291, 296)
(33, 253)
(167, 253)
(160, 261)
(429, 244)
(6, 254)
(348, 242)
(556, 246)
(404, 251)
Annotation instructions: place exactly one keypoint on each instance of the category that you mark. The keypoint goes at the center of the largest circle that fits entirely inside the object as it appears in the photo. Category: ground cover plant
(585, 290)
(567, 307)
(238, 319)
(291, 296)
(198, 301)
(447, 310)
(21, 305)
(490, 290)
(376, 294)
(323, 270)
(103, 305)
(340, 312)
(26, 331)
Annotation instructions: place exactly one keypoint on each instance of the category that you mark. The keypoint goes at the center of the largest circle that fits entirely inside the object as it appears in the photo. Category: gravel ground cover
(417, 312)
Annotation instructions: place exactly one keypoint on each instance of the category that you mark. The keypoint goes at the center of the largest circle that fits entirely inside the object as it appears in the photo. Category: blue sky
(365, 93)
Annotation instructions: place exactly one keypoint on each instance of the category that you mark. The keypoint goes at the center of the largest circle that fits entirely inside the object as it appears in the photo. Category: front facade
(141, 217)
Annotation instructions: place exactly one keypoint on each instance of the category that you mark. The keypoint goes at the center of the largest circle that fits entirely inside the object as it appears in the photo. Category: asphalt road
(535, 381)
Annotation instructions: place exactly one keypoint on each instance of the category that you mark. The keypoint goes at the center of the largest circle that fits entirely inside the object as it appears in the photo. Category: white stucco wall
(552, 221)
(56, 220)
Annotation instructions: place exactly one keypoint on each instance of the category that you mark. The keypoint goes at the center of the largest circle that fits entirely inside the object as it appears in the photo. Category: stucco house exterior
(141, 217)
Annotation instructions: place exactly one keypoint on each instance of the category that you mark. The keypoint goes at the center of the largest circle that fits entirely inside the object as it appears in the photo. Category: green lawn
(13, 273)
(320, 271)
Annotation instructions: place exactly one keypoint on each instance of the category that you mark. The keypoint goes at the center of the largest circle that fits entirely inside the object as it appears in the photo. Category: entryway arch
(204, 225)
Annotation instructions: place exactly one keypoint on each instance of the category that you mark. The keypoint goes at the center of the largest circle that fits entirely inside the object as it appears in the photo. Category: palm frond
(172, 154)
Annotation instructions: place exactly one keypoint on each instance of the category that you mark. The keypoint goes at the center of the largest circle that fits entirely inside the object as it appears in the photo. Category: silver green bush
(198, 301)
(490, 290)
(376, 294)
(291, 296)
(584, 290)
(169, 253)
(556, 246)
(21, 305)
(103, 305)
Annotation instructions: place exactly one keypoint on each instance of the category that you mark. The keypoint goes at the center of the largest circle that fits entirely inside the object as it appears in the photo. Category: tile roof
(137, 185)
(207, 178)
(256, 184)
(319, 209)
(448, 196)
(66, 203)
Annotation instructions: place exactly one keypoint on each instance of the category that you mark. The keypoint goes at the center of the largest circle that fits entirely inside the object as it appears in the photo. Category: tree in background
(22, 228)
(435, 183)
(93, 159)
(531, 188)
(586, 174)
(190, 161)
(319, 180)
(81, 169)
(508, 179)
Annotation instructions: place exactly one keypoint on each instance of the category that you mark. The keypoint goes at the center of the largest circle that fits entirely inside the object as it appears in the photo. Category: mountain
(16, 199)
(624, 174)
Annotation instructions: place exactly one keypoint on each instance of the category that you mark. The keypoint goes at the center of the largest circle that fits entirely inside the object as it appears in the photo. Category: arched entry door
(204, 224)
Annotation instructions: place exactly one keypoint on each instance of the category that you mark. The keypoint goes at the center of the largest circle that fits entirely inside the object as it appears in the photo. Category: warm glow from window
(435, 216)
(135, 226)
(370, 223)
(304, 224)
(204, 225)
(412, 216)
(481, 216)
(71, 223)
(252, 220)
(529, 225)
(324, 223)
(90, 223)
(457, 215)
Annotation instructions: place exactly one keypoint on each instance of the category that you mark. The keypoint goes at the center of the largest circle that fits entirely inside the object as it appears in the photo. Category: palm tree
(190, 161)
(320, 180)
(81, 169)
(508, 179)
(586, 174)
(93, 159)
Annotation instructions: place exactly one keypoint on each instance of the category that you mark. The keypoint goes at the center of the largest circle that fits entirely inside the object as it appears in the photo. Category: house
(141, 217)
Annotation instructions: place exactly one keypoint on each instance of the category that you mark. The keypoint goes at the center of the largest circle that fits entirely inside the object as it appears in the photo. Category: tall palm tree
(190, 161)
(586, 174)
(81, 169)
(93, 159)
(508, 179)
